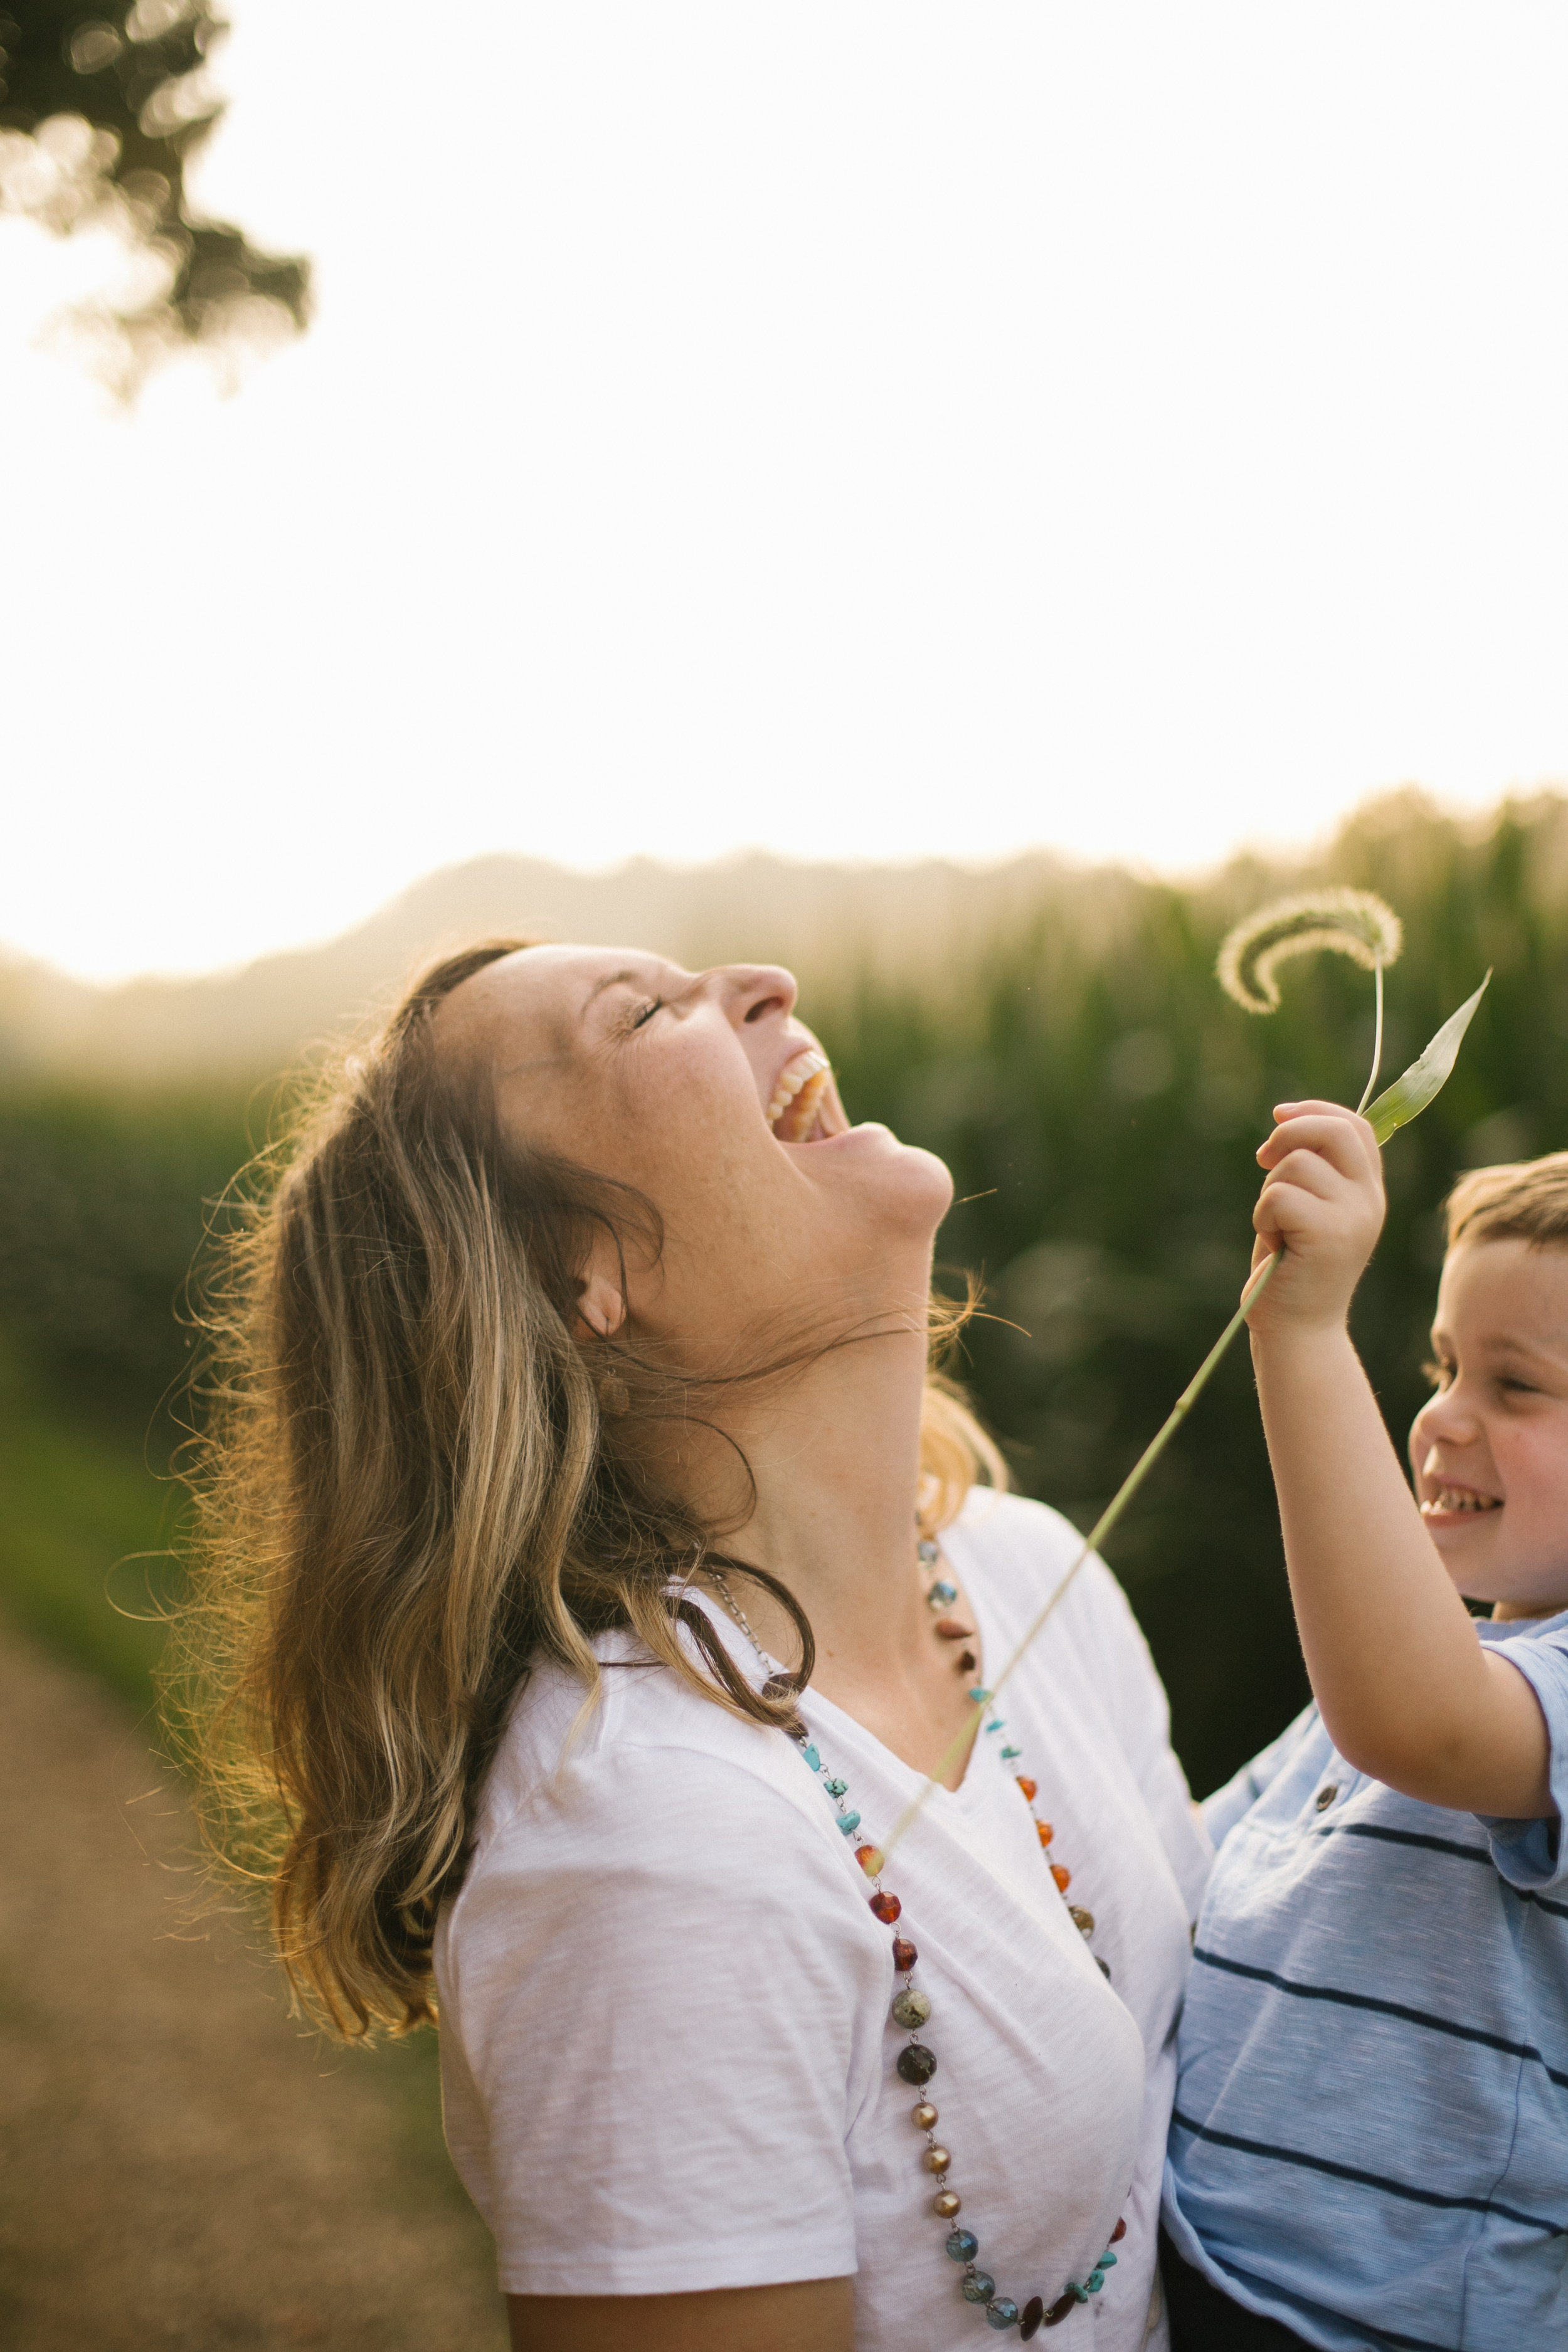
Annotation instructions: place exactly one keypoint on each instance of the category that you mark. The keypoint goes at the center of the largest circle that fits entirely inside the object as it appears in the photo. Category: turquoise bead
(963, 2246)
(812, 1757)
(995, 1727)
(1002, 2313)
(1011, 1753)
(979, 1695)
(1078, 2294)
(979, 2287)
(837, 1788)
(1094, 2281)
(1107, 2261)
(848, 1823)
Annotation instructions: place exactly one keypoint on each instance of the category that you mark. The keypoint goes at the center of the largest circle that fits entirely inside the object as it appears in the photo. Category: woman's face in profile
(705, 1092)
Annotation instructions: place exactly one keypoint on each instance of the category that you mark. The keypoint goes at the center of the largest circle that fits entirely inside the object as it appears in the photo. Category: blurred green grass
(85, 1566)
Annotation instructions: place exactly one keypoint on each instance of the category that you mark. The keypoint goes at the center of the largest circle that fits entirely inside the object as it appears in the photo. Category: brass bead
(947, 2205)
(923, 2118)
(936, 2159)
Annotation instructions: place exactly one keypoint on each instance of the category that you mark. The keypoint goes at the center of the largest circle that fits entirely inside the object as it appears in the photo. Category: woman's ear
(601, 1305)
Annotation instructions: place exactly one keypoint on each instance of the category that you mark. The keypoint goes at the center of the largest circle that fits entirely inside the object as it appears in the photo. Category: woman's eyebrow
(611, 979)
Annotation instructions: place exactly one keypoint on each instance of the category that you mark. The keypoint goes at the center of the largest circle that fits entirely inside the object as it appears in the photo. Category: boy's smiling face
(1489, 1450)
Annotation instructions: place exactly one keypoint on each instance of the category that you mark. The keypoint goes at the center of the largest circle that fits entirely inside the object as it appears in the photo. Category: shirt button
(1326, 1795)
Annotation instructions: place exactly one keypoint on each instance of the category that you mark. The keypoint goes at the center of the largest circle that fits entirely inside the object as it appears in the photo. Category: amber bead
(904, 1955)
(1119, 2233)
(1059, 2310)
(936, 2159)
(917, 2064)
(1047, 1833)
(947, 2205)
(968, 1662)
(1062, 1876)
(1028, 1786)
(870, 1858)
(1033, 2312)
(950, 1629)
(887, 1909)
(1082, 1920)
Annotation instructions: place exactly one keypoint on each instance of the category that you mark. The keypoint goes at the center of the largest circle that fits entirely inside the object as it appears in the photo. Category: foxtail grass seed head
(1353, 923)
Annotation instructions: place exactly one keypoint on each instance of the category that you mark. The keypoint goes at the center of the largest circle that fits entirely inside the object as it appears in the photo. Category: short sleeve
(1529, 1854)
(1222, 1811)
(659, 1964)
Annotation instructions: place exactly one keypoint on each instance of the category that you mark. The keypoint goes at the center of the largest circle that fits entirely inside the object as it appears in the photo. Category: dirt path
(179, 2166)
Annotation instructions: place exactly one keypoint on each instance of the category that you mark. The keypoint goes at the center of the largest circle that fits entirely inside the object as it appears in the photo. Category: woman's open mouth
(804, 1107)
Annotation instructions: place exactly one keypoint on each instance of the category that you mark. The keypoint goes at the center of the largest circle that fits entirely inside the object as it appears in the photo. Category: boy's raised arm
(1408, 1694)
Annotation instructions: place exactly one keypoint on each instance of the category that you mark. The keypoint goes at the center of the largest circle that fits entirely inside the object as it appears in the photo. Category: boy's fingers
(1287, 1113)
(1348, 1144)
(1308, 1171)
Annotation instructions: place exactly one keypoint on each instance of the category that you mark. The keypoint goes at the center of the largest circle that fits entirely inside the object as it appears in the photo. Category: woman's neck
(835, 1457)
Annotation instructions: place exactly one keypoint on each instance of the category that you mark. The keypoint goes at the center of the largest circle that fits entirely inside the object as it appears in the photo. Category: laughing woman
(592, 1569)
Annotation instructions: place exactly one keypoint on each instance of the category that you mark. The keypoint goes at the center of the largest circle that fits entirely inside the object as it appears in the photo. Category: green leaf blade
(1424, 1081)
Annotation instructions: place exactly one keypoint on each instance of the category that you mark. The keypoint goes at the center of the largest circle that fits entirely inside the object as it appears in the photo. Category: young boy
(1370, 2146)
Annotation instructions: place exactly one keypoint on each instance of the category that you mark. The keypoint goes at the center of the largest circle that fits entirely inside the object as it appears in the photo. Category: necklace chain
(916, 2063)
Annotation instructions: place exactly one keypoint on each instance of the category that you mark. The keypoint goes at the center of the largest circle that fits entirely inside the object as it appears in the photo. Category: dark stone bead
(1059, 2310)
(779, 1686)
(904, 1955)
(1119, 2233)
(1034, 2312)
(917, 2064)
(968, 1662)
(978, 2287)
(963, 2246)
(887, 1909)
(1325, 1797)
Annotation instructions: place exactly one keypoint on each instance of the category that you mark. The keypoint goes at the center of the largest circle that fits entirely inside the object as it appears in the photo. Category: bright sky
(864, 428)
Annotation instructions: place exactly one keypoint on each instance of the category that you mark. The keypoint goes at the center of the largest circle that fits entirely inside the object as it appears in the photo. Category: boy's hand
(1323, 1201)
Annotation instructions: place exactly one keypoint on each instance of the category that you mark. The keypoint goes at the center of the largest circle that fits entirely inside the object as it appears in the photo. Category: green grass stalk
(1091, 1543)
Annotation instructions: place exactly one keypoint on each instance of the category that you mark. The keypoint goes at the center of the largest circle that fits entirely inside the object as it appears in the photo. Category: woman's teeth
(797, 1092)
(1458, 1499)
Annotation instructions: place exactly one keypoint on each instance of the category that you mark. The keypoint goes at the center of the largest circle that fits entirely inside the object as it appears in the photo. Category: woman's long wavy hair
(412, 1481)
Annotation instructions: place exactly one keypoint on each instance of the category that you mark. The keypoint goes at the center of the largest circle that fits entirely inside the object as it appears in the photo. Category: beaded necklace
(916, 2062)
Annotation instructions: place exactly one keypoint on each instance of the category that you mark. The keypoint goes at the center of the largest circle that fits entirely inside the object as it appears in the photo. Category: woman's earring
(613, 1395)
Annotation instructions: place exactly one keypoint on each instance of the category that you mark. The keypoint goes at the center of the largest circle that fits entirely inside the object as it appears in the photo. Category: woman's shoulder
(1023, 1551)
(648, 1766)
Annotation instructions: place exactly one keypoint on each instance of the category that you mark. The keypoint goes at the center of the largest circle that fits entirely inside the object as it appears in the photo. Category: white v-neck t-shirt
(667, 2052)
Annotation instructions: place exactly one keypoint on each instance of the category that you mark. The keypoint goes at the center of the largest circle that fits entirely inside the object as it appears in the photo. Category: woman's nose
(755, 990)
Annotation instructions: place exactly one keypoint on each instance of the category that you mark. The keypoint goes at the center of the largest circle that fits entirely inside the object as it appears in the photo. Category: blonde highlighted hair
(411, 1483)
(1525, 1200)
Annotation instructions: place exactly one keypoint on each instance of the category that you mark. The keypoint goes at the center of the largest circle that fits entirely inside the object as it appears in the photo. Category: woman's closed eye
(645, 1013)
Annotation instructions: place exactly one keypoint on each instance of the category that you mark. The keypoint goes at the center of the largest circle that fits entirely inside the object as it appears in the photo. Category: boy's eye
(648, 1011)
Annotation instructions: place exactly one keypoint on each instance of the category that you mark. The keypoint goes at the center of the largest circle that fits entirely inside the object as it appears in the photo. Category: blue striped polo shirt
(1370, 2141)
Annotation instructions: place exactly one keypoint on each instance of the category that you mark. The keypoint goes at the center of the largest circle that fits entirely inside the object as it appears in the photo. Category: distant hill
(925, 924)
(818, 918)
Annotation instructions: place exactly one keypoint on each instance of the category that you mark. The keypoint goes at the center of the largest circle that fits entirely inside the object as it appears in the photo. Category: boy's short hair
(1526, 1200)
